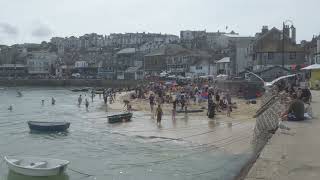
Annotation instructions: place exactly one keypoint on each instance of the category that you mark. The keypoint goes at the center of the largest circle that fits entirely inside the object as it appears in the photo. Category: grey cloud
(41, 31)
(8, 29)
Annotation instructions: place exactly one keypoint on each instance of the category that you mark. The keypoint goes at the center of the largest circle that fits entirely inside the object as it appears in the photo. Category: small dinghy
(117, 118)
(190, 111)
(80, 90)
(98, 92)
(32, 166)
(48, 126)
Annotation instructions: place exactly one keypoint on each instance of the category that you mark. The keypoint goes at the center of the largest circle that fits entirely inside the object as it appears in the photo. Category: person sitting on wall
(304, 95)
(295, 111)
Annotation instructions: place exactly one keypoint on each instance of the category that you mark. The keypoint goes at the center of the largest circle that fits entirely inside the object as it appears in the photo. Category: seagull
(269, 84)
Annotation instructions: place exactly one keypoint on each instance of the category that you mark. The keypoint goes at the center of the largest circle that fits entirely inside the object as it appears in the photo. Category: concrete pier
(293, 154)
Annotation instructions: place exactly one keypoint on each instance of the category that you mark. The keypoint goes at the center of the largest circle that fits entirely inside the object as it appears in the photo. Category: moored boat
(98, 92)
(117, 118)
(48, 126)
(190, 111)
(33, 166)
(80, 90)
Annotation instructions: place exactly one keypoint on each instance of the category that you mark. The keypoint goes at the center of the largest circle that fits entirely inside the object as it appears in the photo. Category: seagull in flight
(269, 84)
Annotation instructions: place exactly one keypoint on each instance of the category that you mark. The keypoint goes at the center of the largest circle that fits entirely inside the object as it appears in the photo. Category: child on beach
(174, 109)
(159, 114)
(228, 109)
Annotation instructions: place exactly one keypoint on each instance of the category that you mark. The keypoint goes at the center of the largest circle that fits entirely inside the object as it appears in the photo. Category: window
(293, 55)
(254, 57)
(270, 55)
(198, 67)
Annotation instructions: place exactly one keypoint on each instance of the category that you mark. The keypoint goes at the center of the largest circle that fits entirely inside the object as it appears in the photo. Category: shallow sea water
(102, 150)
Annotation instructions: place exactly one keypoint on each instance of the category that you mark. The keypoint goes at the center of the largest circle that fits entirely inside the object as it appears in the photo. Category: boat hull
(48, 127)
(118, 118)
(190, 111)
(41, 172)
(79, 90)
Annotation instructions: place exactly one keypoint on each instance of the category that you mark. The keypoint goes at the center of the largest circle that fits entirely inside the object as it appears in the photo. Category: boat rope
(79, 172)
(194, 135)
(208, 149)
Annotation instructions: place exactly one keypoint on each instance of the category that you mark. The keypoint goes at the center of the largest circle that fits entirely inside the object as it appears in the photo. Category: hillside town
(136, 56)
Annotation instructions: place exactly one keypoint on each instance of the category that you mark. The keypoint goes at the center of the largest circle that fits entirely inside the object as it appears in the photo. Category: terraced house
(276, 48)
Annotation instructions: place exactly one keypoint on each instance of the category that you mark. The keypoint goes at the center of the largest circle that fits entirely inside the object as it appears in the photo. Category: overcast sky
(37, 20)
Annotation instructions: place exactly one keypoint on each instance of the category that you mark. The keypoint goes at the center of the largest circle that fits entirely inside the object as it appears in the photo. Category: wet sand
(232, 134)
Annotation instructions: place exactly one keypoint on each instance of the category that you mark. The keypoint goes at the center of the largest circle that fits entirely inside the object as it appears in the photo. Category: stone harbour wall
(267, 122)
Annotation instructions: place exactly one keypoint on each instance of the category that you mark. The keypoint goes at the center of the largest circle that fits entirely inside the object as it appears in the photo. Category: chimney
(318, 44)
(265, 29)
(286, 30)
(293, 34)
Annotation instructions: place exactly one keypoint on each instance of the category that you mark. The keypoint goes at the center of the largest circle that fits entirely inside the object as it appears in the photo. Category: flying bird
(269, 84)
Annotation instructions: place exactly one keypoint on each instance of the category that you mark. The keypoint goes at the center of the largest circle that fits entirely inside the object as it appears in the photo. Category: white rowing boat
(33, 166)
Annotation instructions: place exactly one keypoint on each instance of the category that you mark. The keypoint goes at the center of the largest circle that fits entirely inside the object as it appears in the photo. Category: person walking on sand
(159, 114)
(42, 102)
(80, 100)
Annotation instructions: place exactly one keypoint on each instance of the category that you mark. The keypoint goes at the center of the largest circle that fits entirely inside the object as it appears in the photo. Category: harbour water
(135, 150)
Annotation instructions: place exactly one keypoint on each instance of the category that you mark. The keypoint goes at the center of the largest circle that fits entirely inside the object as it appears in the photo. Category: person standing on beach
(151, 101)
(228, 108)
(174, 109)
(159, 114)
(105, 98)
(80, 100)
(92, 95)
(182, 101)
(228, 96)
(42, 102)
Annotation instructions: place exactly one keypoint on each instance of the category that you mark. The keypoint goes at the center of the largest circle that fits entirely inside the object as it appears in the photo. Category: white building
(200, 68)
(41, 62)
(222, 66)
(81, 64)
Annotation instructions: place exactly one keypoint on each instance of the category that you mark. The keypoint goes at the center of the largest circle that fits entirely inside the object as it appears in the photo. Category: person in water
(10, 108)
(87, 103)
(159, 114)
(80, 100)
(53, 101)
(42, 102)
(19, 94)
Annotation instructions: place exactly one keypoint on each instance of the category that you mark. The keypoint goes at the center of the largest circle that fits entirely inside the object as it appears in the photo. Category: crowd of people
(181, 97)
(297, 98)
